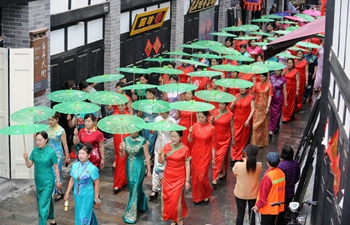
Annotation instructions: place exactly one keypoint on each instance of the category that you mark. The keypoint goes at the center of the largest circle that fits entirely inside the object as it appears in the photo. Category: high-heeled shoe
(215, 185)
(197, 203)
(116, 190)
(223, 177)
(59, 197)
(206, 202)
(153, 196)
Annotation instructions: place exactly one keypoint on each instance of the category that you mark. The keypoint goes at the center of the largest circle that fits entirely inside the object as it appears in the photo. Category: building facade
(84, 38)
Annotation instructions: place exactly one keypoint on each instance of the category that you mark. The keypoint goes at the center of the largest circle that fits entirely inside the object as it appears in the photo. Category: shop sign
(200, 5)
(38, 41)
(148, 20)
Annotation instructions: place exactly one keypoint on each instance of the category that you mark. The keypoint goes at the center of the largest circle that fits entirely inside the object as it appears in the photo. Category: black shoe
(223, 177)
(55, 223)
(197, 203)
(153, 197)
(116, 190)
(206, 202)
(214, 185)
(59, 197)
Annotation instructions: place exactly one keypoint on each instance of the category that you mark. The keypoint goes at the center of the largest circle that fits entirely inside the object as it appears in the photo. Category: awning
(288, 40)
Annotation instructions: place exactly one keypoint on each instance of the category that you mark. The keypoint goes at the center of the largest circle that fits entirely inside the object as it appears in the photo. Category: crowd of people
(233, 132)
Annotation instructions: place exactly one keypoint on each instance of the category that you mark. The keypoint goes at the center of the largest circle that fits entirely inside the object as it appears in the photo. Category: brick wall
(177, 24)
(224, 5)
(112, 42)
(18, 21)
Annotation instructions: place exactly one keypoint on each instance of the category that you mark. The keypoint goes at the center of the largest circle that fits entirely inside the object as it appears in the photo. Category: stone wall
(177, 24)
(112, 42)
(18, 20)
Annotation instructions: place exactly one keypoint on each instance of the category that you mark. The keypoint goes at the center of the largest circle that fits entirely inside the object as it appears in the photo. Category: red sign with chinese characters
(157, 45)
(148, 48)
(148, 20)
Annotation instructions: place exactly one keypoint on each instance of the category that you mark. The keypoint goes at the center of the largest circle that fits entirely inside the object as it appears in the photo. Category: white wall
(56, 41)
(76, 36)
(76, 4)
(58, 6)
(95, 30)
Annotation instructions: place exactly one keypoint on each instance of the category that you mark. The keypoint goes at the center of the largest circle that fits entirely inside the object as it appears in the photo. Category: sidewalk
(18, 197)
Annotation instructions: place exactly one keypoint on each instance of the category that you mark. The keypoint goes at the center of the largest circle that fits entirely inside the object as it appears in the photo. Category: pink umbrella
(294, 18)
(312, 12)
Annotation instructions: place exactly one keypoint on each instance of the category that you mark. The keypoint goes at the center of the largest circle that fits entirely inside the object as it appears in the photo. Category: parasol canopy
(120, 124)
(32, 114)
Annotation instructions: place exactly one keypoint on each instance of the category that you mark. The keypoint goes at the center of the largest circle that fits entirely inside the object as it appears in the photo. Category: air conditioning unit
(234, 15)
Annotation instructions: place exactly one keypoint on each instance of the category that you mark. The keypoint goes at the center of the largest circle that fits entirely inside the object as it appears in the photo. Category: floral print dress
(84, 175)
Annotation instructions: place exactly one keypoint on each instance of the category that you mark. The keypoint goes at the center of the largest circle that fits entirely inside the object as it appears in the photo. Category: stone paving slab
(18, 198)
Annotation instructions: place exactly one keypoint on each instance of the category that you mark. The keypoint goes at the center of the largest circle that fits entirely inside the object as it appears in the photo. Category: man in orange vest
(271, 189)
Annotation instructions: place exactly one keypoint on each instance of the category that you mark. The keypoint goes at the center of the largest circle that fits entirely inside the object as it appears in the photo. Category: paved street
(18, 200)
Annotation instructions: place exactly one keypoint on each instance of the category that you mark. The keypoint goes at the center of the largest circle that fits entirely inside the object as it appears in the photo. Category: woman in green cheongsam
(44, 159)
(136, 149)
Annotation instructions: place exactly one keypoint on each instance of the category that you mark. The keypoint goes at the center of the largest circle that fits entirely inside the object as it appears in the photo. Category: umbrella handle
(133, 78)
(24, 142)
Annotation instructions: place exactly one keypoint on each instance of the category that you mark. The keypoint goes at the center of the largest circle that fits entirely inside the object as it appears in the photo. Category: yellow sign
(148, 20)
(199, 5)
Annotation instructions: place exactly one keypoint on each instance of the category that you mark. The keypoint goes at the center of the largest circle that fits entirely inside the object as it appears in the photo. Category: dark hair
(226, 103)
(185, 57)
(174, 77)
(218, 60)
(215, 77)
(68, 84)
(120, 84)
(152, 91)
(83, 84)
(56, 116)
(205, 113)
(264, 74)
(243, 46)
(302, 52)
(292, 61)
(287, 153)
(179, 132)
(201, 67)
(146, 76)
(43, 134)
(201, 50)
(230, 39)
(251, 151)
(91, 116)
(87, 147)
(173, 64)
(261, 55)
(192, 91)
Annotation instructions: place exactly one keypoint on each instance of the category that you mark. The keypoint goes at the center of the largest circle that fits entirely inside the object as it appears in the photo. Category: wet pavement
(18, 198)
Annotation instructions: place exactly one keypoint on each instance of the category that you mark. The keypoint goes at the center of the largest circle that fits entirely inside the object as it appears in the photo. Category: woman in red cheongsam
(243, 110)
(303, 68)
(202, 136)
(119, 162)
(292, 77)
(95, 137)
(176, 177)
(223, 122)
(186, 118)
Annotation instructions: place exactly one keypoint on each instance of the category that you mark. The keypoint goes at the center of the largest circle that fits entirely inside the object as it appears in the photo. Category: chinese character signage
(199, 5)
(39, 43)
(148, 20)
